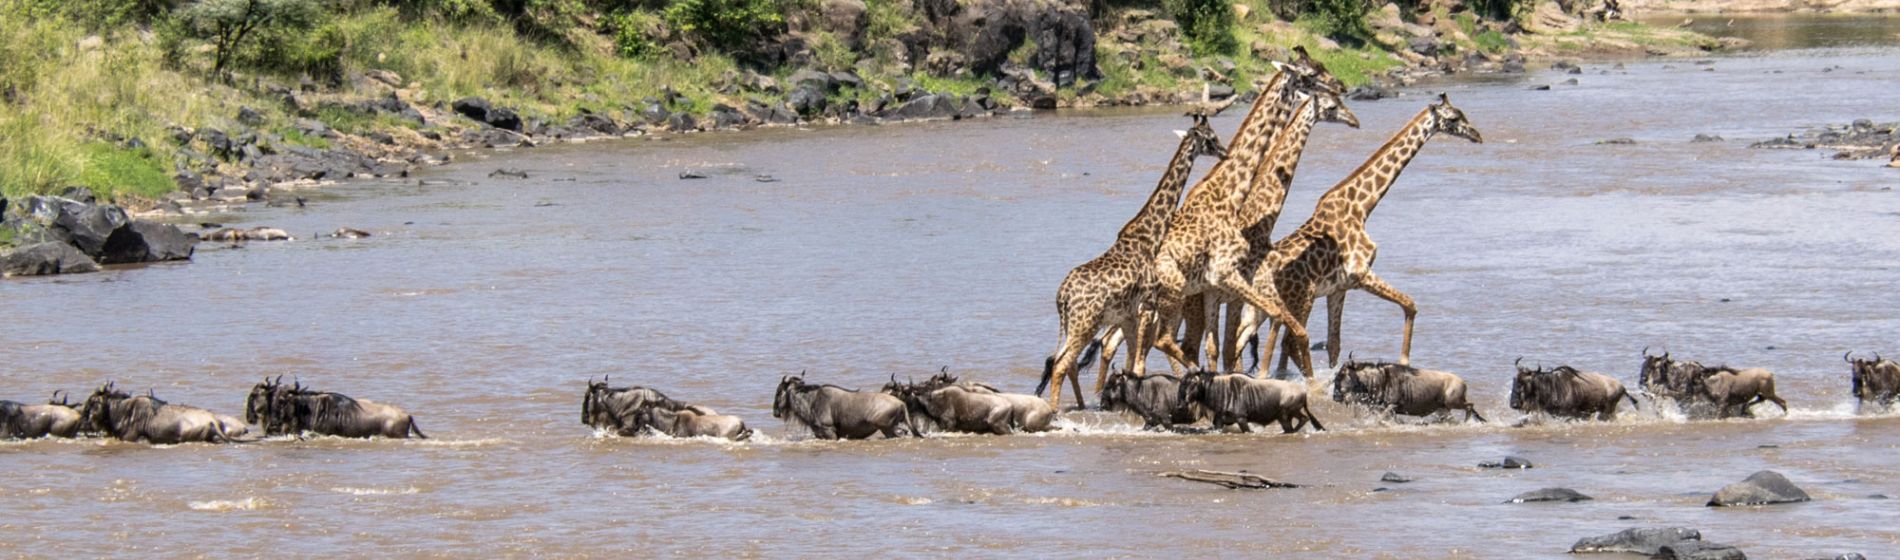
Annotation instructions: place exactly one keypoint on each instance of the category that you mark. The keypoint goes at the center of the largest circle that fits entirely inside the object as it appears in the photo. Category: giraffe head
(1309, 76)
(1450, 120)
(1201, 140)
(1333, 109)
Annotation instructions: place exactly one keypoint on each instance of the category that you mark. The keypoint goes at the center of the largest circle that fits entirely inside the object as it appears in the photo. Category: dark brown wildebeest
(295, 410)
(1400, 389)
(1566, 392)
(688, 422)
(1238, 400)
(1665, 377)
(1876, 380)
(1155, 397)
(56, 418)
(1027, 413)
(833, 412)
(619, 408)
(149, 419)
(955, 408)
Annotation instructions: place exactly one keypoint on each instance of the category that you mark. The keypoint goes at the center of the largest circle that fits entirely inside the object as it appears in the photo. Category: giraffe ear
(1180, 134)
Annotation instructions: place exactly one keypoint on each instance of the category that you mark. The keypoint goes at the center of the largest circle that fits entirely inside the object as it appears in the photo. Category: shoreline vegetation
(183, 105)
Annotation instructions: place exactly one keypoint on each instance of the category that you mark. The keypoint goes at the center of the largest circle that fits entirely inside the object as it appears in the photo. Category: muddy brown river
(483, 305)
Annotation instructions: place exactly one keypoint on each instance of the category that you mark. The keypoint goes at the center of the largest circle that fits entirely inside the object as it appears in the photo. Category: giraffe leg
(1160, 334)
(1110, 341)
(1374, 285)
(1301, 309)
(1193, 309)
(1269, 302)
(1247, 321)
(1076, 336)
(1335, 310)
(1230, 338)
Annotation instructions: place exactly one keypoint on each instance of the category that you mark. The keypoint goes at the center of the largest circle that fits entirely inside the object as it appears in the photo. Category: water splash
(246, 504)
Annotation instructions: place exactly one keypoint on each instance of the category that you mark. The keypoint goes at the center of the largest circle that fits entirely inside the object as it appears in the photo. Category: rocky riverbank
(1861, 139)
(74, 233)
(1761, 6)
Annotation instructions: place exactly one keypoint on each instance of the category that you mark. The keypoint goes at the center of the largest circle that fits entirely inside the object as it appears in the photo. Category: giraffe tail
(1048, 370)
(1088, 355)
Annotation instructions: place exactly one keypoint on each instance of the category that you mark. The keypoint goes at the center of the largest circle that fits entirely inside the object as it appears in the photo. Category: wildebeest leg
(1287, 426)
(1768, 392)
(1372, 284)
(1471, 411)
(1308, 411)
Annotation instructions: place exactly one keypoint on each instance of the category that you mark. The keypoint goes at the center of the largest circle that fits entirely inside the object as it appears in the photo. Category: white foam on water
(246, 504)
(376, 491)
(459, 443)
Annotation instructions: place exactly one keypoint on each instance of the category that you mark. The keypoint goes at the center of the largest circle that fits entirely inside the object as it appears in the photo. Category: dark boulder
(50, 257)
(823, 81)
(595, 122)
(480, 110)
(930, 106)
(1761, 488)
(682, 122)
(89, 227)
(142, 241)
(1549, 495)
(725, 116)
(1368, 93)
(1065, 46)
(807, 100)
(250, 117)
(1509, 462)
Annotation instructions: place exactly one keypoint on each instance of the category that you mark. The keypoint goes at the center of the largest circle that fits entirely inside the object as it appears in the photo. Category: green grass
(113, 169)
(298, 138)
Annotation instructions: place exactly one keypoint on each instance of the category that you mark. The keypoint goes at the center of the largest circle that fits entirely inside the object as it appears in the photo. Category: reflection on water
(905, 248)
(1793, 31)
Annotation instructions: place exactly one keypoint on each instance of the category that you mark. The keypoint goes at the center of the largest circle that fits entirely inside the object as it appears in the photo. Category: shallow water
(1792, 31)
(897, 250)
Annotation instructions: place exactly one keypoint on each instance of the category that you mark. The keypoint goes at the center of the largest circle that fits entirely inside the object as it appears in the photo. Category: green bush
(729, 25)
(1341, 20)
(634, 33)
(460, 10)
(1208, 24)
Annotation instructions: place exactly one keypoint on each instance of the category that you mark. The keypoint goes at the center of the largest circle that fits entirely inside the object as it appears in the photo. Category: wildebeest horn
(1843, 358)
(1519, 364)
(894, 378)
(1645, 350)
(1877, 357)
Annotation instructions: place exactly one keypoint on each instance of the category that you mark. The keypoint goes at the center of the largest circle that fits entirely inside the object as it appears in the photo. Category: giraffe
(1262, 210)
(1112, 288)
(1263, 203)
(1331, 254)
(1204, 246)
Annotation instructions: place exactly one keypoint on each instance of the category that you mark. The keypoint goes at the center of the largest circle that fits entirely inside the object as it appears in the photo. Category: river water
(483, 305)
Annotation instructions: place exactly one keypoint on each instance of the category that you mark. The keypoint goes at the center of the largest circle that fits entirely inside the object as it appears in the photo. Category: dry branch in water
(1233, 480)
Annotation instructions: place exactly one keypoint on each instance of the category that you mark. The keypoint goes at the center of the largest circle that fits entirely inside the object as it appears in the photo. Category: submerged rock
(1699, 550)
(1761, 488)
(1509, 462)
(1637, 541)
(1395, 478)
(1549, 495)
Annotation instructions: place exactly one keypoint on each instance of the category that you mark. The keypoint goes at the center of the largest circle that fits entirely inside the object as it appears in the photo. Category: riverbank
(148, 118)
(1653, 7)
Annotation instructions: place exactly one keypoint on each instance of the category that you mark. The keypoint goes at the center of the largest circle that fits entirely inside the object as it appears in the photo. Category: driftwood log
(1234, 480)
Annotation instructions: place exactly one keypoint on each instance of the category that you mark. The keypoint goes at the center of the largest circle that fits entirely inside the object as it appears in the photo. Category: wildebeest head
(1863, 370)
(95, 412)
(1520, 383)
(1655, 369)
(590, 402)
(1115, 393)
(1352, 379)
(1194, 386)
(782, 399)
(257, 406)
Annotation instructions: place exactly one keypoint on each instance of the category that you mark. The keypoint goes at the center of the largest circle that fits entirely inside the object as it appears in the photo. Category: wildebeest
(1239, 399)
(1691, 384)
(688, 422)
(1565, 392)
(619, 408)
(833, 412)
(1876, 380)
(1155, 397)
(149, 419)
(1401, 389)
(56, 418)
(1727, 388)
(296, 410)
(955, 408)
(1027, 413)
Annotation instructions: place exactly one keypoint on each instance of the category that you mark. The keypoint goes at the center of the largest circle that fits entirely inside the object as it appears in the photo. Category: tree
(228, 24)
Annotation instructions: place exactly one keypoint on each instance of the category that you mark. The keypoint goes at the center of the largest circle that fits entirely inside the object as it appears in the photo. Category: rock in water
(1549, 495)
(51, 257)
(142, 241)
(1700, 550)
(1509, 462)
(1762, 488)
(1639, 541)
(1395, 478)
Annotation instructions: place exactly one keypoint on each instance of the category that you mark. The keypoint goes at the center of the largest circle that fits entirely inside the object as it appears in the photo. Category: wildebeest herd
(945, 403)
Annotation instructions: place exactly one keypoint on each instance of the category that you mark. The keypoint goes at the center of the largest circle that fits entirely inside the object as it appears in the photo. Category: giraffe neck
(1268, 194)
(1143, 233)
(1360, 192)
(1227, 183)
